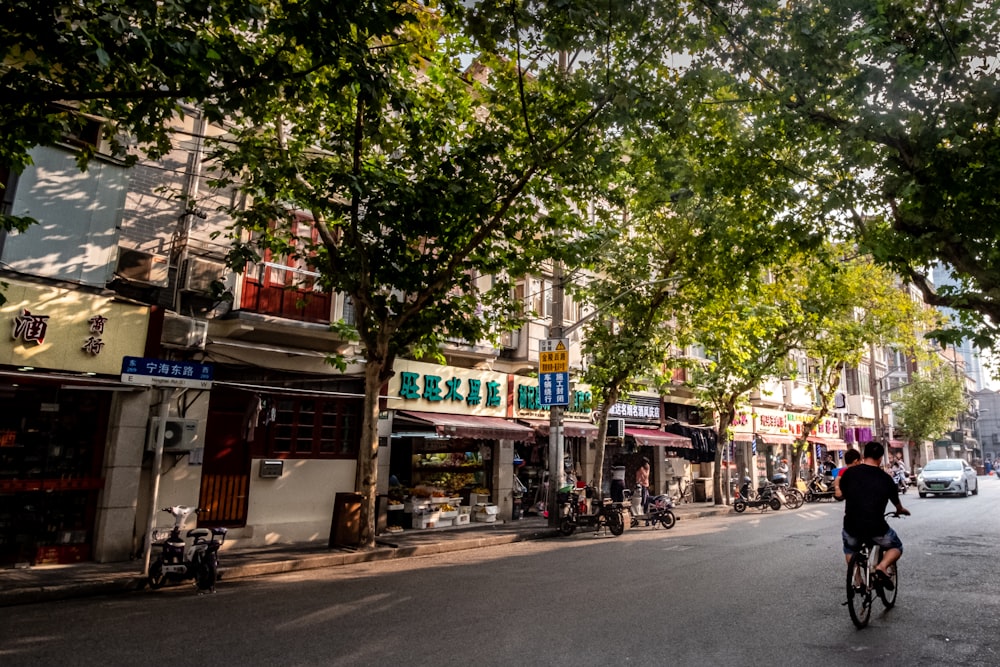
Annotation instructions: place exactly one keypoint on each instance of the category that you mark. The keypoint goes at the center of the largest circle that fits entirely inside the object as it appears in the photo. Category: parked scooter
(769, 495)
(178, 560)
(818, 488)
(605, 514)
(660, 510)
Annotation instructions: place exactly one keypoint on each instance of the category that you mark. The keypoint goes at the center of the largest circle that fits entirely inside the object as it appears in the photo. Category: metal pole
(166, 396)
(557, 476)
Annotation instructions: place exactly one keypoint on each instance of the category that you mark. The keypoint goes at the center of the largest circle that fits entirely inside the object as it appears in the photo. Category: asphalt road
(750, 589)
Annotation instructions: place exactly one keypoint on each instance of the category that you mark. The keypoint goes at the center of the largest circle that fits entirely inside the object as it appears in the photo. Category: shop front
(531, 457)
(451, 447)
(58, 370)
(765, 437)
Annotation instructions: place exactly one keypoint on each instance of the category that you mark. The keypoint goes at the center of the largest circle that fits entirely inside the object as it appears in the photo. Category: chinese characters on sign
(451, 390)
(164, 373)
(553, 371)
(529, 398)
(94, 344)
(31, 328)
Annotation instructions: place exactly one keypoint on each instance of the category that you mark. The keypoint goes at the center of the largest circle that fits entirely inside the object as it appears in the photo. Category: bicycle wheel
(889, 597)
(794, 499)
(616, 523)
(859, 595)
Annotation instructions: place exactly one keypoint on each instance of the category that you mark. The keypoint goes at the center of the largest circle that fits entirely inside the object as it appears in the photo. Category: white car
(953, 476)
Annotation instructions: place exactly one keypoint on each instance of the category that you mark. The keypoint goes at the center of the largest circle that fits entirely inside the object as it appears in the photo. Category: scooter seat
(199, 532)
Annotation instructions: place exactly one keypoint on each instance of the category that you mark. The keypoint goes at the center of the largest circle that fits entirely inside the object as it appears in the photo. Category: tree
(431, 186)
(628, 339)
(896, 107)
(852, 306)
(927, 407)
(134, 65)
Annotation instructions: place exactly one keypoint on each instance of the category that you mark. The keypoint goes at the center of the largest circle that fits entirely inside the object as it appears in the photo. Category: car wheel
(965, 491)
(921, 494)
(975, 491)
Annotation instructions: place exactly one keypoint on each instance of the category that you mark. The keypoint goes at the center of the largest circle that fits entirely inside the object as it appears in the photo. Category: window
(315, 428)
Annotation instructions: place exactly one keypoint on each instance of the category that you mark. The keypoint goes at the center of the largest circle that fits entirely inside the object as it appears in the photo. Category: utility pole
(557, 477)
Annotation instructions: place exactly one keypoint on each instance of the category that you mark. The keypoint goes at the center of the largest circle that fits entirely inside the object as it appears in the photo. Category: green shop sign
(415, 386)
(528, 399)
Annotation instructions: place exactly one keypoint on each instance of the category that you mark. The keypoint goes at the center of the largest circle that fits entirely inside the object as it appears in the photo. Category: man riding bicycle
(866, 489)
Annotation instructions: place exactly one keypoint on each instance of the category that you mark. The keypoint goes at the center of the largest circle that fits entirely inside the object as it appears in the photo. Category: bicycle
(793, 497)
(685, 491)
(863, 586)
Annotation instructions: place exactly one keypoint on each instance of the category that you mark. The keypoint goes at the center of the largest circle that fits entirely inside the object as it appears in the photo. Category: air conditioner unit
(179, 435)
(616, 428)
(184, 332)
(143, 267)
(200, 273)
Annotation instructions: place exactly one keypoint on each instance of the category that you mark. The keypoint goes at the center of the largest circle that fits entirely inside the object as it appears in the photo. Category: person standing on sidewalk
(642, 482)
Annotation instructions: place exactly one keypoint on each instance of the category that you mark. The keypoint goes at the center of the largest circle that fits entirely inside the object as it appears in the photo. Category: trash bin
(345, 529)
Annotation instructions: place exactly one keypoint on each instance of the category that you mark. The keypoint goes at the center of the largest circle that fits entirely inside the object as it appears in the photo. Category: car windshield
(944, 465)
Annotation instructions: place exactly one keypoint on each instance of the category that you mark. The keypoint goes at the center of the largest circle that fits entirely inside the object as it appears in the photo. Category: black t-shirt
(866, 490)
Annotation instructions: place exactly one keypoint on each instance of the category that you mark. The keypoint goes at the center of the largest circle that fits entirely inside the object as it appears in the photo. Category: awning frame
(471, 426)
(648, 437)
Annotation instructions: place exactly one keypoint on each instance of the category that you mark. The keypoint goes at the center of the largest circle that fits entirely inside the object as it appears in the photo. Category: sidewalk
(45, 583)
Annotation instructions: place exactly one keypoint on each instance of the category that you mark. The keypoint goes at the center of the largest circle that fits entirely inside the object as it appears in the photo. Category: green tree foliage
(926, 409)
(136, 64)
(853, 307)
(429, 185)
(896, 108)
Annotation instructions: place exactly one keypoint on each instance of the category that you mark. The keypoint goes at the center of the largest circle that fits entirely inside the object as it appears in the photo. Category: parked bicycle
(793, 498)
(863, 585)
(685, 491)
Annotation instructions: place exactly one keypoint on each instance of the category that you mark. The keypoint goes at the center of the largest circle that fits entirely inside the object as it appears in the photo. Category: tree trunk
(367, 476)
(597, 478)
(725, 421)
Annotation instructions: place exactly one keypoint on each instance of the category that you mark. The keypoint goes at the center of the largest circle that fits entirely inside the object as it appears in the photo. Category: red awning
(832, 444)
(472, 426)
(898, 444)
(648, 437)
(571, 429)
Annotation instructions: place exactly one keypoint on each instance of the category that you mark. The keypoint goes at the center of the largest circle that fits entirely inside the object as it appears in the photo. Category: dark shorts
(888, 541)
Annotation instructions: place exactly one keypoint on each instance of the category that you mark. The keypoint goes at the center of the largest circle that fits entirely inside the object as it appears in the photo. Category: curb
(113, 584)
(131, 583)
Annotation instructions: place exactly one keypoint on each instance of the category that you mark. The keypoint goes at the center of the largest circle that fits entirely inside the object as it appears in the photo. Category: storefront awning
(647, 437)
(471, 426)
(832, 444)
(571, 429)
(775, 439)
(898, 444)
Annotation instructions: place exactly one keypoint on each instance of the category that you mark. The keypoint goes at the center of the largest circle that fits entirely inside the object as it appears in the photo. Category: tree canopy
(896, 106)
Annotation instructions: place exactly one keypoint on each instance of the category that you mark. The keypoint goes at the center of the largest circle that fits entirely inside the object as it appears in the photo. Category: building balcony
(286, 292)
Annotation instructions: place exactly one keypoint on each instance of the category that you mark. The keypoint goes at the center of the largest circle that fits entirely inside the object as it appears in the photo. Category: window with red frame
(306, 427)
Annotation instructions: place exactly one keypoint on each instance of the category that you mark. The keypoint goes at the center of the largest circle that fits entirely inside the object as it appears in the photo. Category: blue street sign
(553, 389)
(166, 373)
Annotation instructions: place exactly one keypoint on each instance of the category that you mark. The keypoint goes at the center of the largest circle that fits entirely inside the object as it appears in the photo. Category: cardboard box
(479, 499)
(462, 519)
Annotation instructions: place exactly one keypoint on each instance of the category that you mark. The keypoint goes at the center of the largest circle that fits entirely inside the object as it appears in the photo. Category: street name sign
(166, 373)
